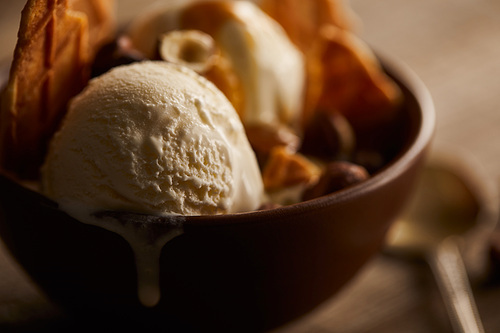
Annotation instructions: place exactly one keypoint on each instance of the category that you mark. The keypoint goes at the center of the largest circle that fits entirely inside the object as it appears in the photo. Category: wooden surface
(454, 46)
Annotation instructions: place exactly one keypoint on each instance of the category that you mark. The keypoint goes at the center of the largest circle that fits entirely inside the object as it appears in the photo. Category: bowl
(238, 272)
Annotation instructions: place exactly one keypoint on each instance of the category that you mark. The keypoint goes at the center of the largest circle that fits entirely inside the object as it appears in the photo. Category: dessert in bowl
(247, 270)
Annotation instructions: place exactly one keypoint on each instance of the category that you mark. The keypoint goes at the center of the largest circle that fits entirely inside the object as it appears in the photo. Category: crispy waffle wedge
(353, 81)
(303, 22)
(51, 64)
(100, 18)
(343, 74)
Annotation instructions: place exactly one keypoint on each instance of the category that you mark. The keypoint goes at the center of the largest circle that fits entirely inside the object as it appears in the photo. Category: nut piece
(116, 53)
(371, 160)
(199, 51)
(190, 48)
(264, 137)
(285, 169)
(336, 176)
(329, 136)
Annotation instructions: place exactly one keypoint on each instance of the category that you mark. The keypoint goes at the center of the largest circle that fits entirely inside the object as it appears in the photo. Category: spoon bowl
(452, 204)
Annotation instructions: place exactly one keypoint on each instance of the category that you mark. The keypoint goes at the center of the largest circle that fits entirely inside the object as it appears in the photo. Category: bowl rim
(408, 79)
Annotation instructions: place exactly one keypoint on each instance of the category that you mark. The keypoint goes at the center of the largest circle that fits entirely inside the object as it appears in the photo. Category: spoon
(451, 202)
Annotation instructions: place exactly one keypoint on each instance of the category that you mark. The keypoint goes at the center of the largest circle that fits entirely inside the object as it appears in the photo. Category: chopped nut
(116, 53)
(285, 168)
(335, 177)
(264, 138)
(329, 136)
(191, 48)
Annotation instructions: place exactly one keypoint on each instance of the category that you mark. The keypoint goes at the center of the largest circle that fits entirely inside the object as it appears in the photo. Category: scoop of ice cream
(152, 137)
(269, 67)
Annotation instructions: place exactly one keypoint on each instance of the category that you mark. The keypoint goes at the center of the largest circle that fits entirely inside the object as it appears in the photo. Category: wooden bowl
(237, 272)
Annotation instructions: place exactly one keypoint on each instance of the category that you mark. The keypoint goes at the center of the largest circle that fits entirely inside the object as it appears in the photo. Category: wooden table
(454, 46)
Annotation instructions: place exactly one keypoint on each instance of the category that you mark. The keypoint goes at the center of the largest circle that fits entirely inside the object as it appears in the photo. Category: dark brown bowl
(239, 272)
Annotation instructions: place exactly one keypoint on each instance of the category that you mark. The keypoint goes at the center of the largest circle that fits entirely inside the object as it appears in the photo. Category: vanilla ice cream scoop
(156, 138)
(270, 69)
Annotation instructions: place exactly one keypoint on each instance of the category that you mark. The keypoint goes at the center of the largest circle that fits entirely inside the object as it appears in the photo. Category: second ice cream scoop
(269, 69)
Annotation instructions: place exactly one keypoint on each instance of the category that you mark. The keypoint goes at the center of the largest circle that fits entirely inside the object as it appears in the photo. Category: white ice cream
(152, 138)
(269, 66)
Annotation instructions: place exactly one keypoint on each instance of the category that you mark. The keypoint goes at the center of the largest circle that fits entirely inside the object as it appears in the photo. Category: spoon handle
(449, 270)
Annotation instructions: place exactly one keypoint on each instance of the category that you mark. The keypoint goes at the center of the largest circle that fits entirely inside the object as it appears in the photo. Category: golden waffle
(51, 64)
(342, 73)
(354, 82)
(100, 17)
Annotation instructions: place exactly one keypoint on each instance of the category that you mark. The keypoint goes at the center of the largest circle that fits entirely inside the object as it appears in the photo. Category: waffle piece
(353, 81)
(264, 137)
(101, 20)
(50, 65)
